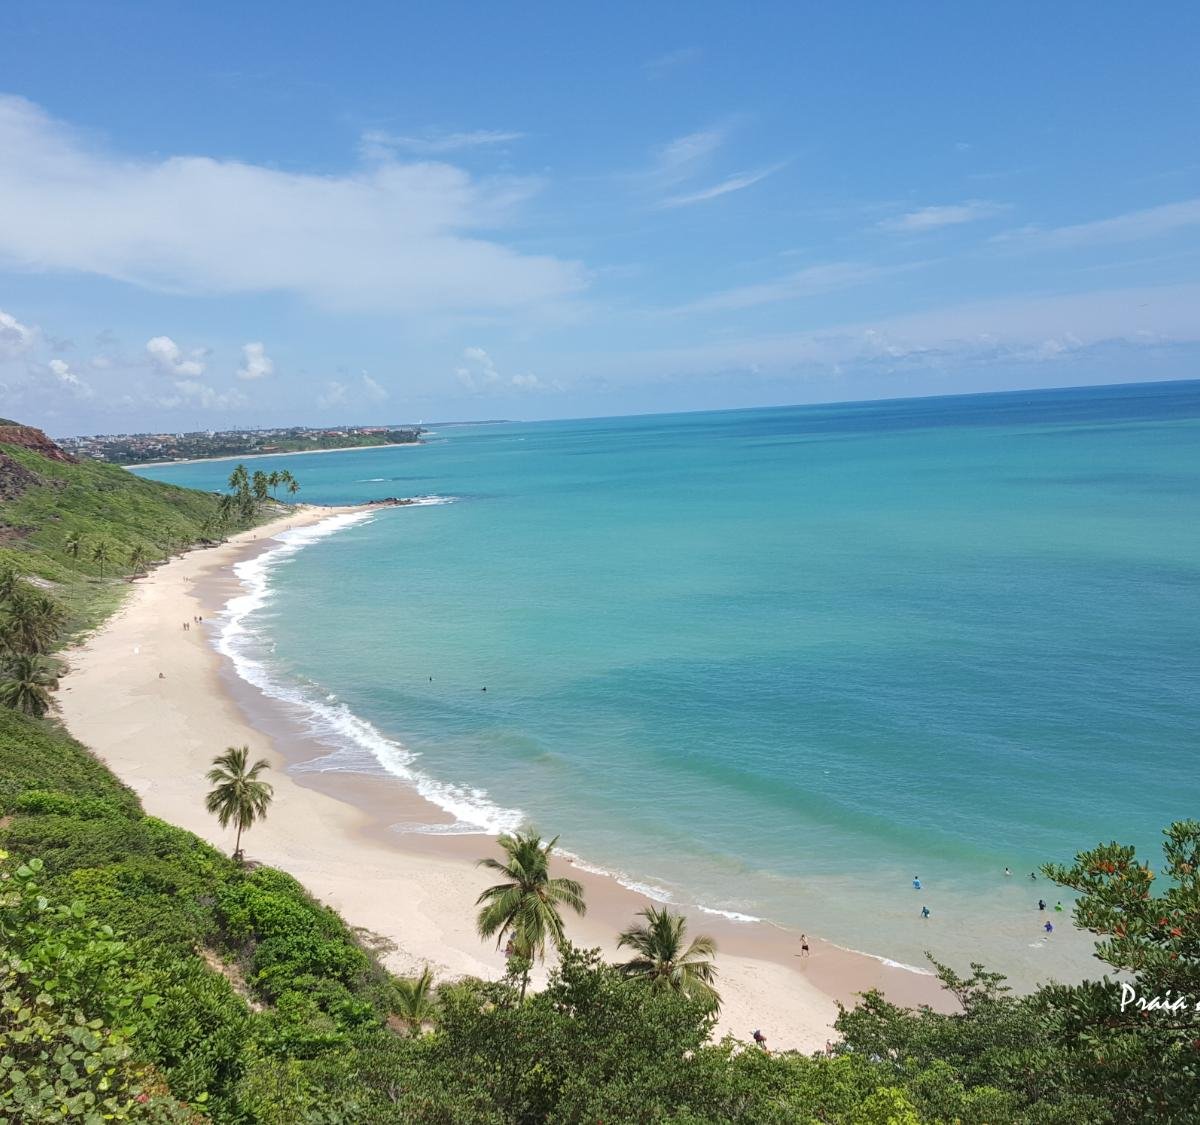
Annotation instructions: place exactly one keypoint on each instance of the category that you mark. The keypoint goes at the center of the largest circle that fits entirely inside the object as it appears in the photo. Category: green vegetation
(524, 908)
(666, 962)
(218, 991)
(237, 795)
(79, 529)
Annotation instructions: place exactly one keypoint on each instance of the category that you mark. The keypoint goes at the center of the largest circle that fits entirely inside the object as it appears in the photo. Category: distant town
(136, 449)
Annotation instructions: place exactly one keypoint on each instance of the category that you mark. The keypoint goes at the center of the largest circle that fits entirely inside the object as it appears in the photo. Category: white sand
(160, 736)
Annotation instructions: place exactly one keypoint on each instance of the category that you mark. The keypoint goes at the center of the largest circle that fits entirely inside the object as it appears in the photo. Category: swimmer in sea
(1049, 927)
(924, 911)
(1041, 904)
(916, 883)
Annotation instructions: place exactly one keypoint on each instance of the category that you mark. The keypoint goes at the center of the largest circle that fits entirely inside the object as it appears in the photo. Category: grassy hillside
(57, 500)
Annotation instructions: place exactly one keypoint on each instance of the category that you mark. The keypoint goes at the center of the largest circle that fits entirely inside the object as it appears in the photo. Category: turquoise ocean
(773, 662)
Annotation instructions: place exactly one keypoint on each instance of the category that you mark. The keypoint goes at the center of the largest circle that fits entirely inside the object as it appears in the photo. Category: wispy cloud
(737, 182)
(15, 337)
(811, 281)
(686, 156)
(663, 65)
(945, 215)
(1153, 222)
(437, 144)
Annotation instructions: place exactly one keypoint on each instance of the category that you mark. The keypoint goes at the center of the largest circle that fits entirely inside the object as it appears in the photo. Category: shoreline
(259, 456)
(337, 831)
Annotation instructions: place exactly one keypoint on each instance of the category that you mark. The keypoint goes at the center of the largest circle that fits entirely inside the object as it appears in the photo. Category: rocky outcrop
(14, 477)
(29, 437)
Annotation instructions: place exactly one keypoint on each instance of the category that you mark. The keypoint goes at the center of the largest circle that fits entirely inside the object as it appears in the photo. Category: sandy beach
(335, 832)
(285, 453)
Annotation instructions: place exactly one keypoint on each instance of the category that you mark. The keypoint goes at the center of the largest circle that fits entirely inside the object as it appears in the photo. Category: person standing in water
(1041, 904)
(916, 883)
(924, 911)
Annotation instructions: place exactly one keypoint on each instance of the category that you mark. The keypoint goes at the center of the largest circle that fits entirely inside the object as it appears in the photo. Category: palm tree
(238, 795)
(10, 584)
(524, 909)
(31, 623)
(260, 486)
(137, 559)
(415, 1004)
(239, 479)
(664, 962)
(225, 507)
(293, 485)
(73, 545)
(101, 554)
(26, 684)
(274, 480)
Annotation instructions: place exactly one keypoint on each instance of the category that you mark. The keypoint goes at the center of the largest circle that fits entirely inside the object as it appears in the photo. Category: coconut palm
(665, 963)
(414, 1002)
(73, 545)
(259, 486)
(238, 795)
(31, 623)
(26, 683)
(239, 479)
(137, 559)
(524, 908)
(274, 480)
(101, 553)
(293, 485)
(10, 584)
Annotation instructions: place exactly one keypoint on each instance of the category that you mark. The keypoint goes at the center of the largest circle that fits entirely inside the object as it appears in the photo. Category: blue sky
(255, 214)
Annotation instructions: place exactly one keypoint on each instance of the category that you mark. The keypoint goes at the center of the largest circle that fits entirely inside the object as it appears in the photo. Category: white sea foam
(370, 480)
(732, 915)
(892, 964)
(330, 722)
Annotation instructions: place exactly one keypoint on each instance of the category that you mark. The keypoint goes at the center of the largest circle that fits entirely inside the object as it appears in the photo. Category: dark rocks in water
(394, 501)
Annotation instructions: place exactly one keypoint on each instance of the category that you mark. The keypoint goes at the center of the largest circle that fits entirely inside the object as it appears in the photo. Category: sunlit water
(774, 661)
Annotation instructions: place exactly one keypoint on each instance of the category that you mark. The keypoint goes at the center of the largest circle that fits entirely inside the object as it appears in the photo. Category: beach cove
(333, 831)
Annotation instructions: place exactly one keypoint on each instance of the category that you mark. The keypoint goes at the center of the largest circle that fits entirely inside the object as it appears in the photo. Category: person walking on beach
(804, 945)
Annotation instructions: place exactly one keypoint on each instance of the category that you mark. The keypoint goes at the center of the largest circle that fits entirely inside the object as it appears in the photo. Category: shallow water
(773, 661)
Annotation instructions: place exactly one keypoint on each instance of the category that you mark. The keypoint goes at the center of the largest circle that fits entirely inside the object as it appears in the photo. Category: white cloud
(732, 183)
(688, 155)
(478, 374)
(952, 214)
(1039, 327)
(671, 61)
(256, 364)
(338, 392)
(808, 282)
(61, 370)
(168, 358)
(15, 337)
(396, 237)
(334, 394)
(377, 142)
(190, 393)
(374, 391)
(1130, 227)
